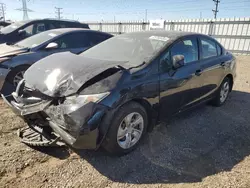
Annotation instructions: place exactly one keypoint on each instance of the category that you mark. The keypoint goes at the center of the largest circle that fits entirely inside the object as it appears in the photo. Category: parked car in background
(120, 88)
(4, 23)
(15, 59)
(23, 29)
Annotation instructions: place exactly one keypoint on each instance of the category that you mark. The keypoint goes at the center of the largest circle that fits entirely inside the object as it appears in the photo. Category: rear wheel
(127, 129)
(222, 93)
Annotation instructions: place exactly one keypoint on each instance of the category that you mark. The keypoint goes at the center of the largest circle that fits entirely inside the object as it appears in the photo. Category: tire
(219, 100)
(120, 146)
(15, 72)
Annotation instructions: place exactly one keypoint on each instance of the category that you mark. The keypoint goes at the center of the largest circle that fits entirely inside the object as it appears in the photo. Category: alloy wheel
(224, 92)
(130, 130)
(18, 77)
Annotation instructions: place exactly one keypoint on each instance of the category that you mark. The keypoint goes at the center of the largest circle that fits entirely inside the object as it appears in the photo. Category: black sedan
(20, 30)
(121, 88)
(16, 59)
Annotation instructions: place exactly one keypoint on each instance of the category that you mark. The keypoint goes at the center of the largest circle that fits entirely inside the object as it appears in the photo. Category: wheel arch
(230, 76)
(16, 68)
(152, 115)
(20, 66)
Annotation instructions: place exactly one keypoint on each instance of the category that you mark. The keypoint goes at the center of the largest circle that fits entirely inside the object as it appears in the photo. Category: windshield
(133, 47)
(12, 27)
(38, 39)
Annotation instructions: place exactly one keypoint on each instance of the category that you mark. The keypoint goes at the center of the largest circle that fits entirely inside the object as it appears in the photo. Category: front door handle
(198, 72)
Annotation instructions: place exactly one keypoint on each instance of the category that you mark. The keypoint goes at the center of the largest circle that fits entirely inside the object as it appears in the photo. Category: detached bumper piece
(36, 136)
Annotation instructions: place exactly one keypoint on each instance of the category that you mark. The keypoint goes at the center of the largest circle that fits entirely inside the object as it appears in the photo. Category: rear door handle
(198, 72)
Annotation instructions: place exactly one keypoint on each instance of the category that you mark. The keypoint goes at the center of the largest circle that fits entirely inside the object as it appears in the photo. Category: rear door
(179, 88)
(212, 65)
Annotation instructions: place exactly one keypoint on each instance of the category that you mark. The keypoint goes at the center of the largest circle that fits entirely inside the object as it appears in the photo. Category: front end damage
(55, 121)
(61, 102)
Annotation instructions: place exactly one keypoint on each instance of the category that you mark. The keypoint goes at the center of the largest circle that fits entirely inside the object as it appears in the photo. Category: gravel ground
(208, 147)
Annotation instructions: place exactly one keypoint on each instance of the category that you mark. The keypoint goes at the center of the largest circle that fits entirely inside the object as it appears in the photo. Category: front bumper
(3, 74)
(84, 136)
(86, 141)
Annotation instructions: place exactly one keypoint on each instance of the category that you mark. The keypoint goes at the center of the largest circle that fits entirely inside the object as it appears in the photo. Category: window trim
(218, 46)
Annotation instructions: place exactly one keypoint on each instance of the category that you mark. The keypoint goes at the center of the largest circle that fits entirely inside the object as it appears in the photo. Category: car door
(179, 88)
(212, 66)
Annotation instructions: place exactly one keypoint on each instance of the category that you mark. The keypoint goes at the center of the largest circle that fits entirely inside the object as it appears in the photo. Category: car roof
(51, 19)
(162, 33)
(66, 30)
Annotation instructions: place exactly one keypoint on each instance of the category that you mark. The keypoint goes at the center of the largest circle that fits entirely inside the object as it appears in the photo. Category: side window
(72, 25)
(96, 38)
(188, 48)
(34, 29)
(208, 48)
(29, 30)
(56, 24)
(52, 25)
(38, 28)
(73, 40)
(62, 25)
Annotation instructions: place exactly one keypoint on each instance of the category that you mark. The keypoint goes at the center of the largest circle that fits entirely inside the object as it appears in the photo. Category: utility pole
(58, 12)
(25, 10)
(146, 15)
(216, 8)
(2, 7)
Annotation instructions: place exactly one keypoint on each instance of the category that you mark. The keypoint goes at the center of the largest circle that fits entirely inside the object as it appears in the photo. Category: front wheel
(127, 129)
(16, 75)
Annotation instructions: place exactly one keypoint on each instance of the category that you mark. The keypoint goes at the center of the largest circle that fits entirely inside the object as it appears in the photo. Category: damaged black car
(113, 93)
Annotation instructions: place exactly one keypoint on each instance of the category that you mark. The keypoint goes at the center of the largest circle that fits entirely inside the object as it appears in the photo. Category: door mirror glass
(22, 32)
(52, 45)
(178, 61)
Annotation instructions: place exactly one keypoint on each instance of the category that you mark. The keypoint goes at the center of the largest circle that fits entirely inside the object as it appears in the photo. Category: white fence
(233, 34)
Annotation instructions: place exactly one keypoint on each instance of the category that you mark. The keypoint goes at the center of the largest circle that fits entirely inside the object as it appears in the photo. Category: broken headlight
(77, 101)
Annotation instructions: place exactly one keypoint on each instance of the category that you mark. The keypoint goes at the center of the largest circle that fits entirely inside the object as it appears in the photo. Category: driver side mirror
(51, 45)
(22, 32)
(178, 61)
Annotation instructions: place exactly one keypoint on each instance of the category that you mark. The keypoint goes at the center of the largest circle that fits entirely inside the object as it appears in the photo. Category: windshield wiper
(143, 63)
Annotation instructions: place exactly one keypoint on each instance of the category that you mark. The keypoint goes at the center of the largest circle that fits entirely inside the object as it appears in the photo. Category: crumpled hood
(6, 50)
(63, 74)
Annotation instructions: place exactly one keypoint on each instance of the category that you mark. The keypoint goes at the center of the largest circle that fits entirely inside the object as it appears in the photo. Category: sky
(127, 10)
